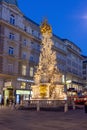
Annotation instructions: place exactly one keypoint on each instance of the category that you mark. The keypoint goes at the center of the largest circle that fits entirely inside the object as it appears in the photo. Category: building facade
(20, 43)
(74, 76)
(85, 71)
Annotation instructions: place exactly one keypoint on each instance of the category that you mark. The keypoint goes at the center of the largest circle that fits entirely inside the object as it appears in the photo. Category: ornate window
(11, 51)
(12, 19)
(11, 36)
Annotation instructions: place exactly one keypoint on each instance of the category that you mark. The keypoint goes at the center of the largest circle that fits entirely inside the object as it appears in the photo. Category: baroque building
(20, 43)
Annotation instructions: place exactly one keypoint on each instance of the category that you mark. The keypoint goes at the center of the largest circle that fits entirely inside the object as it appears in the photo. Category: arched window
(12, 19)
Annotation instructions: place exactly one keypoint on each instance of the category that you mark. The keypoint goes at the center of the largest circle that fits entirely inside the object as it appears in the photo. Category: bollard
(38, 106)
(66, 107)
(73, 105)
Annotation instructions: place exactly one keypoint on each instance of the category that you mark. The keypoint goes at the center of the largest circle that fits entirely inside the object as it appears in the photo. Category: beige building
(20, 43)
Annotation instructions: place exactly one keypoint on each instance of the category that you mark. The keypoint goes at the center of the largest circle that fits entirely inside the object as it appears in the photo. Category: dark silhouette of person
(7, 102)
(2, 102)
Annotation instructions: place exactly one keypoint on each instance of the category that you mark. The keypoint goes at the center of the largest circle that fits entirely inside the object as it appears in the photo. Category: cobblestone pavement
(33, 120)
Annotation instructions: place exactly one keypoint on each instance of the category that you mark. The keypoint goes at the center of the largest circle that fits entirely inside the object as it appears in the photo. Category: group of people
(7, 102)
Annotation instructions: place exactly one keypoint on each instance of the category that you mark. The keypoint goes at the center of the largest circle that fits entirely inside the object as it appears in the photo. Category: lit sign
(25, 80)
(68, 81)
(22, 92)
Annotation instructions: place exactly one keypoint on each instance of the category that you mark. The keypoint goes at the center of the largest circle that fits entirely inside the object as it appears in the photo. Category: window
(84, 72)
(10, 68)
(84, 78)
(12, 19)
(32, 32)
(25, 29)
(31, 71)
(24, 55)
(84, 66)
(11, 51)
(39, 36)
(24, 42)
(24, 70)
(11, 36)
(31, 58)
(38, 47)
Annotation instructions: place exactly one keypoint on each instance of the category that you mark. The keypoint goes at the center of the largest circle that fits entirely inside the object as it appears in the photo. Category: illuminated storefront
(22, 95)
(8, 92)
(73, 88)
(23, 91)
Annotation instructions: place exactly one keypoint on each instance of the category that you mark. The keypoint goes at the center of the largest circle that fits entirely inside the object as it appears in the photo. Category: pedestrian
(2, 102)
(7, 102)
(85, 107)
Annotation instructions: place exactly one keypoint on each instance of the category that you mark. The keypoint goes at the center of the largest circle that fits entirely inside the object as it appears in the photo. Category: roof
(56, 36)
(85, 61)
(71, 43)
(13, 2)
(85, 57)
(30, 20)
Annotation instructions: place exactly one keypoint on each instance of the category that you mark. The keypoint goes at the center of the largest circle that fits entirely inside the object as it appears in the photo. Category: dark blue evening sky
(68, 18)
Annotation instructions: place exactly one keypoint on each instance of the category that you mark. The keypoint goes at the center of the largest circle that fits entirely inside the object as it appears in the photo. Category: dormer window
(12, 19)
(69, 45)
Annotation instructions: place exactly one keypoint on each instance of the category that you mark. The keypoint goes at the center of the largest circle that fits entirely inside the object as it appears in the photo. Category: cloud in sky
(84, 17)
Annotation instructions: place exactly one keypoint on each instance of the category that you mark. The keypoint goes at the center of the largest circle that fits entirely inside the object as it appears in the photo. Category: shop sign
(25, 80)
(22, 92)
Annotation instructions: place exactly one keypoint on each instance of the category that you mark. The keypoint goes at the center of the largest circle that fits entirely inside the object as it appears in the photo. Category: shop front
(1, 89)
(22, 96)
(74, 88)
(8, 93)
(23, 91)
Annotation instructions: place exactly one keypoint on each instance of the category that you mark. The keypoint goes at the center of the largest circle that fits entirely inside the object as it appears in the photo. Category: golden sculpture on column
(47, 78)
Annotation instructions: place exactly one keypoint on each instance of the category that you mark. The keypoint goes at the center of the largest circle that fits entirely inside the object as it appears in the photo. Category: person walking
(2, 102)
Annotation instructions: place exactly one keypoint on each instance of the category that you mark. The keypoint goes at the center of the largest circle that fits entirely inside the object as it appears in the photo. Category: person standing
(7, 102)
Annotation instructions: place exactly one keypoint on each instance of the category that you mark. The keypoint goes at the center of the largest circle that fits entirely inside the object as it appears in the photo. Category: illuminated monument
(48, 79)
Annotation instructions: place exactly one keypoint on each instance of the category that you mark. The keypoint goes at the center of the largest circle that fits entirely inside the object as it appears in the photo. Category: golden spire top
(45, 27)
